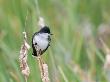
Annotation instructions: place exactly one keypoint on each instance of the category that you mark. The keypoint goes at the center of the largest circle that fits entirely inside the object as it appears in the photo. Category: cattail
(43, 70)
(23, 58)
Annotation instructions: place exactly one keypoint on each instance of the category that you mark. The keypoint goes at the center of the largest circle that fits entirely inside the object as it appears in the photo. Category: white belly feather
(41, 41)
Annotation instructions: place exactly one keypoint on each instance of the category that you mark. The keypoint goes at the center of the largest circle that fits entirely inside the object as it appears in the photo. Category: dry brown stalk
(23, 58)
(43, 69)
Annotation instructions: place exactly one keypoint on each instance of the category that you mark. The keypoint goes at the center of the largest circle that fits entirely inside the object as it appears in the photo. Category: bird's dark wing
(34, 50)
(33, 45)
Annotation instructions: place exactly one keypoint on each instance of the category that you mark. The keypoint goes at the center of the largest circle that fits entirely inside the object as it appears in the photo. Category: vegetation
(76, 53)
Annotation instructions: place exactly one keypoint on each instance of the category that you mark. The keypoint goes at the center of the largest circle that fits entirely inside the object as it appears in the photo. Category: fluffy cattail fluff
(41, 22)
(23, 57)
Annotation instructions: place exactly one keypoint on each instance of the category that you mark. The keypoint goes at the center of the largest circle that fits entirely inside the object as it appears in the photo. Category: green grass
(73, 53)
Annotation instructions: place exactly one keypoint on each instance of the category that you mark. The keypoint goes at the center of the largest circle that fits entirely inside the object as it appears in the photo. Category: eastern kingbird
(41, 41)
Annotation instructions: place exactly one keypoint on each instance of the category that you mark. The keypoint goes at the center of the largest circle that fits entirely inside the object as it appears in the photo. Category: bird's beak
(51, 34)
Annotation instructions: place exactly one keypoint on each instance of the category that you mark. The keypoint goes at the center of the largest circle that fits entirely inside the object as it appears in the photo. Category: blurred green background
(76, 53)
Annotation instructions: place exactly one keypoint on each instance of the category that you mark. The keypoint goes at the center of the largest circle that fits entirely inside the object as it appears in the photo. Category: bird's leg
(41, 56)
(40, 52)
(40, 62)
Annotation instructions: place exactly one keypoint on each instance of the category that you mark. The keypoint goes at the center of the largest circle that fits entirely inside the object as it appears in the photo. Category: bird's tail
(34, 53)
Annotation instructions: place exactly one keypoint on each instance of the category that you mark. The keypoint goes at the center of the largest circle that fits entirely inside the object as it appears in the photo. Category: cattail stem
(43, 69)
(25, 79)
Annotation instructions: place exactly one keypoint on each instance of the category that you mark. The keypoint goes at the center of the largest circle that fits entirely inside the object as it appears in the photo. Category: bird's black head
(45, 29)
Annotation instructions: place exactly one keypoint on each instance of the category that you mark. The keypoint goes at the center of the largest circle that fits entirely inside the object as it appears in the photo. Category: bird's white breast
(41, 40)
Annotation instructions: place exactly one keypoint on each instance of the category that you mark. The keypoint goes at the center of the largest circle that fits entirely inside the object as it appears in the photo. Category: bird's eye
(35, 43)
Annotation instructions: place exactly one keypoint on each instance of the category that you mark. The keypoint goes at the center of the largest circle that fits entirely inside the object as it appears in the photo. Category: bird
(41, 41)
